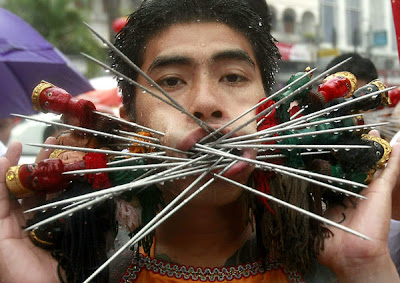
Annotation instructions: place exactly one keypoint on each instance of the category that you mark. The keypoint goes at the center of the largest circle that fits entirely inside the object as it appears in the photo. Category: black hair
(79, 242)
(261, 7)
(362, 68)
(154, 16)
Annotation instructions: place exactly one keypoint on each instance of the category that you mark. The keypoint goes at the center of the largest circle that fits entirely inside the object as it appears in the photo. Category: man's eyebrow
(236, 54)
(162, 61)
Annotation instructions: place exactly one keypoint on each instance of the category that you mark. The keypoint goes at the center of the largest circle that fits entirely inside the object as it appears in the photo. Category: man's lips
(191, 139)
(195, 136)
(240, 166)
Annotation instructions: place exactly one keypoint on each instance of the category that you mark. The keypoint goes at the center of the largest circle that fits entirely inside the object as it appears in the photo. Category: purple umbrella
(26, 58)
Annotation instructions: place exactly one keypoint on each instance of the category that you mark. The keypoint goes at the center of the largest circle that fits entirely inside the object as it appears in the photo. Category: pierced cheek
(164, 140)
(141, 114)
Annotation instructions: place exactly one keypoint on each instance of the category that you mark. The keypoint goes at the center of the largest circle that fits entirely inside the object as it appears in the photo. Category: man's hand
(20, 260)
(352, 258)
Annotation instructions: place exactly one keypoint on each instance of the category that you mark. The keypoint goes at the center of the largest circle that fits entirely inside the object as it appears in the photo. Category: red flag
(396, 20)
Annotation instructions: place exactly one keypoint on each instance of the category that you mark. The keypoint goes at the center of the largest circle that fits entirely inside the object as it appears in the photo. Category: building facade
(309, 33)
(315, 31)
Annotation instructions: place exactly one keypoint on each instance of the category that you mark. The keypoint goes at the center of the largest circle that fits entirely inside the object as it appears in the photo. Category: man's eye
(171, 82)
(233, 78)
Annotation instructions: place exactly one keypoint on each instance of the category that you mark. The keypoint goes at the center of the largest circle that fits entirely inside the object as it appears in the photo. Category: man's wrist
(378, 270)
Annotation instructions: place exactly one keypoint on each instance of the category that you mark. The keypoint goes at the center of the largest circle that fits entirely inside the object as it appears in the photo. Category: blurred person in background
(363, 68)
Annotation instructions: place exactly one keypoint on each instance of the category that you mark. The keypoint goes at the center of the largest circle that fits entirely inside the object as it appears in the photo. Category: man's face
(210, 69)
(68, 157)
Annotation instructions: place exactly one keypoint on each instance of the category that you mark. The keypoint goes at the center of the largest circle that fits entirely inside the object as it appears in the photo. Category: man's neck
(204, 236)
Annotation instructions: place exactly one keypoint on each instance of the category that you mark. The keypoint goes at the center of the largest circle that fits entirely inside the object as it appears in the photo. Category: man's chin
(218, 193)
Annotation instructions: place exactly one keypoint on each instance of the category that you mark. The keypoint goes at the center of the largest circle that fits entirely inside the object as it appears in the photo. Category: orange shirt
(149, 269)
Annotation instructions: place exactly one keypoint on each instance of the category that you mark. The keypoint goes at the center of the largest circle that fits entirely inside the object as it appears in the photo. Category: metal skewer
(300, 126)
(107, 195)
(271, 165)
(124, 168)
(309, 73)
(94, 132)
(314, 133)
(303, 211)
(158, 219)
(130, 123)
(137, 135)
(308, 117)
(109, 152)
(269, 109)
(118, 189)
(293, 146)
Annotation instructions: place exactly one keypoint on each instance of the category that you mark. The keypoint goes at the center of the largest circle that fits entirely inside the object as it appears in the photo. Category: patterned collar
(143, 262)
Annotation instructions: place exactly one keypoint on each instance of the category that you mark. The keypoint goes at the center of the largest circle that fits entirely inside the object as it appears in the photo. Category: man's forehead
(216, 57)
(193, 39)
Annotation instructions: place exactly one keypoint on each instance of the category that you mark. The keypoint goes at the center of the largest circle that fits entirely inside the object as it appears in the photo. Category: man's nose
(204, 114)
(206, 103)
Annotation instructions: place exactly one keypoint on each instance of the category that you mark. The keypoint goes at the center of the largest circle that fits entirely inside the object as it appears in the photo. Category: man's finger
(375, 133)
(13, 153)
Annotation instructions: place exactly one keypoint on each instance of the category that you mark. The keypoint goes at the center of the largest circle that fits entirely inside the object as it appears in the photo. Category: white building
(314, 31)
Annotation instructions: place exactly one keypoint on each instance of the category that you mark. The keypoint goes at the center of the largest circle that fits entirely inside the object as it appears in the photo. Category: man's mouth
(239, 166)
(190, 141)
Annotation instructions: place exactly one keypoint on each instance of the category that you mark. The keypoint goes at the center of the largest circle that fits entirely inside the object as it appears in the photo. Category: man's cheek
(152, 118)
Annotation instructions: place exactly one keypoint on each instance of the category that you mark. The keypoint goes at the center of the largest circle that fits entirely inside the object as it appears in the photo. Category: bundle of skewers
(317, 137)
